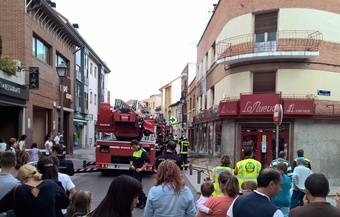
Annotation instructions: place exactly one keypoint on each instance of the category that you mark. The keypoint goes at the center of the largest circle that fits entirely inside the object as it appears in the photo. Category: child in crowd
(80, 204)
(248, 187)
(207, 188)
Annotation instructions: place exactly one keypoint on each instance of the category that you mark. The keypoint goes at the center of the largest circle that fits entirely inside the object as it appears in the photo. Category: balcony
(269, 46)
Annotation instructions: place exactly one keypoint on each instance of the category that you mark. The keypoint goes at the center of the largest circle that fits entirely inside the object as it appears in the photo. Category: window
(90, 97)
(86, 96)
(95, 71)
(87, 65)
(95, 99)
(61, 60)
(40, 50)
(77, 98)
(91, 68)
(266, 26)
(264, 82)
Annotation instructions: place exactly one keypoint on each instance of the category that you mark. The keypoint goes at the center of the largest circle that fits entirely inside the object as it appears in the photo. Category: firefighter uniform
(139, 158)
(184, 150)
(247, 170)
(216, 171)
(169, 155)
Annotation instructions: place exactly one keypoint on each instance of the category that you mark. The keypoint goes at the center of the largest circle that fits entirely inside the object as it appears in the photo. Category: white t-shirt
(3, 147)
(200, 204)
(66, 181)
(56, 140)
(21, 145)
(48, 146)
(300, 175)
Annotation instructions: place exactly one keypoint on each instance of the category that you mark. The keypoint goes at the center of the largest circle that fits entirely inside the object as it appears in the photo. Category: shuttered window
(266, 23)
(264, 82)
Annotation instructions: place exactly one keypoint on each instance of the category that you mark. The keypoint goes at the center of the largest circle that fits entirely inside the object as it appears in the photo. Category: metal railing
(295, 40)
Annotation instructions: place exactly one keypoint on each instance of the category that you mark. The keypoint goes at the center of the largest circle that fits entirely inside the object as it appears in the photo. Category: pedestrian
(183, 151)
(3, 145)
(138, 163)
(300, 174)
(22, 142)
(80, 204)
(337, 198)
(207, 188)
(247, 169)
(317, 189)
(35, 153)
(35, 197)
(258, 204)
(7, 180)
(169, 154)
(169, 197)
(22, 158)
(216, 171)
(65, 166)
(248, 187)
(12, 145)
(282, 199)
(57, 138)
(121, 198)
(301, 154)
(48, 144)
(281, 159)
(219, 205)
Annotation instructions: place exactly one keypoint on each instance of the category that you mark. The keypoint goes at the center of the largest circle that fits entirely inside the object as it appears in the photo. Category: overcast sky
(145, 43)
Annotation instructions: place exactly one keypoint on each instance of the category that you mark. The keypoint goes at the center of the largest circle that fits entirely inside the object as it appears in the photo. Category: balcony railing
(283, 43)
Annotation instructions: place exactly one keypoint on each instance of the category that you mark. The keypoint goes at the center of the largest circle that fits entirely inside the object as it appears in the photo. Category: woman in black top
(35, 197)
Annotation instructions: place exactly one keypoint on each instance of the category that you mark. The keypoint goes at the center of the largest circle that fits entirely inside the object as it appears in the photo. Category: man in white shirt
(300, 174)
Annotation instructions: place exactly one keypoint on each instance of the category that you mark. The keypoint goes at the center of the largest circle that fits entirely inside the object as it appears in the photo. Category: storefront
(79, 135)
(248, 123)
(13, 99)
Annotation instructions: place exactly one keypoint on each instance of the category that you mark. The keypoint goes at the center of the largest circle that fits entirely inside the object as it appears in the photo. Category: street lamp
(62, 71)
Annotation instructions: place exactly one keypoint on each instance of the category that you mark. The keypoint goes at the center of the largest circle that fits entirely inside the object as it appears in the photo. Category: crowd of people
(244, 191)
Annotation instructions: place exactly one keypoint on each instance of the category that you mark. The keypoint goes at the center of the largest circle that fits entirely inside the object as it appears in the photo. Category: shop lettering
(257, 107)
(291, 109)
(10, 88)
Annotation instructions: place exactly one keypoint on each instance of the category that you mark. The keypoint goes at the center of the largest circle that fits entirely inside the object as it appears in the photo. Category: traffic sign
(278, 114)
(173, 120)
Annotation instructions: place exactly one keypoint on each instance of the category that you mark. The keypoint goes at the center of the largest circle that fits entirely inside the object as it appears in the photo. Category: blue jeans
(297, 198)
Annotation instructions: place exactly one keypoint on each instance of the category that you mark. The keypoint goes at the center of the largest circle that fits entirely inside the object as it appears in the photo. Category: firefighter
(247, 169)
(138, 163)
(169, 154)
(183, 151)
(216, 171)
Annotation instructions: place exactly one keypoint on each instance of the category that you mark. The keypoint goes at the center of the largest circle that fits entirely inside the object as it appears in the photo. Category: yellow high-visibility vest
(248, 170)
(138, 154)
(184, 147)
(216, 171)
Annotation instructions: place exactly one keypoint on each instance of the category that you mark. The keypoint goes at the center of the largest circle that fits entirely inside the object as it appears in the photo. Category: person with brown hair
(207, 188)
(248, 187)
(216, 171)
(170, 197)
(219, 205)
(80, 204)
(35, 197)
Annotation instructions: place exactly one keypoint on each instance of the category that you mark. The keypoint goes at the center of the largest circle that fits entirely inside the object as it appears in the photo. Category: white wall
(93, 106)
(175, 90)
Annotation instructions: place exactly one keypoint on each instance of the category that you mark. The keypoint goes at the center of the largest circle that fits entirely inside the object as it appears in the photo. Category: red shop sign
(298, 107)
(259, 103)
(228, 108)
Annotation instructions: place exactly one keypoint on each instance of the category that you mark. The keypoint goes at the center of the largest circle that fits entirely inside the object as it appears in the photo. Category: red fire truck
(116, 127)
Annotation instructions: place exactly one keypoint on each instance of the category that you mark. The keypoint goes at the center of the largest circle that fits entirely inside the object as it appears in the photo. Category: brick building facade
(254, 54)
(34, 33)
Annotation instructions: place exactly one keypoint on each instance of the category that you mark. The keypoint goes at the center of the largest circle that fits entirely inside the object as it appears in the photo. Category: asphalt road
(98, 185)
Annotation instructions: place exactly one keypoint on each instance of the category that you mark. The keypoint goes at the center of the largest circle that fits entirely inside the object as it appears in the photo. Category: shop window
(264, 82)
(40, 50)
